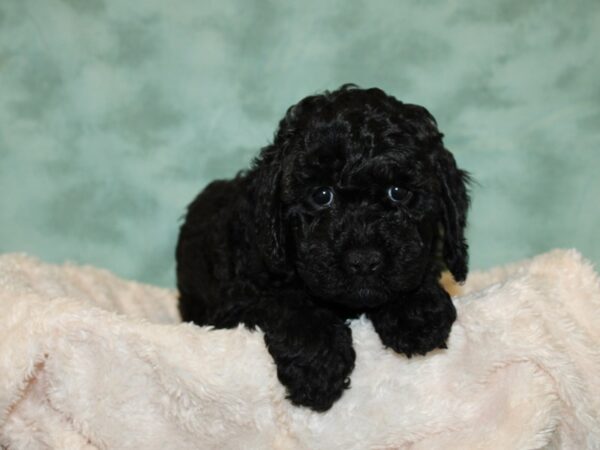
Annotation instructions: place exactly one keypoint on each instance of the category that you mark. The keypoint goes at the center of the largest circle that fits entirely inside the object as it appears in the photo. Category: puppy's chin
(362, 298)
(350, 295)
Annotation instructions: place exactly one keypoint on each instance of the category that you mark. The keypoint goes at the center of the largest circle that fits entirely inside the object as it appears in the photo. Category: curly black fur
(271, 249)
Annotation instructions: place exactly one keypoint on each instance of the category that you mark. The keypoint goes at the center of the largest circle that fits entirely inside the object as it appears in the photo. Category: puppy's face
(362, 214)
(369, 202)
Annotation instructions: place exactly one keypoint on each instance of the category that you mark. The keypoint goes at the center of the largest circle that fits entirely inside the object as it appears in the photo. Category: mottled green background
(114, 113)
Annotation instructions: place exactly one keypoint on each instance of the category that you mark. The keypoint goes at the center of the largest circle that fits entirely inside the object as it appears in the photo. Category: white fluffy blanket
(90, 361)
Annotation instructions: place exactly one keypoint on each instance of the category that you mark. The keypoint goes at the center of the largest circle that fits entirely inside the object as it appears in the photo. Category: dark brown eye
(323, 196)
(399, 195)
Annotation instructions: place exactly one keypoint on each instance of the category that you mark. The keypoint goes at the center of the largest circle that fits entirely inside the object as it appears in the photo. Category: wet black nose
(363, 261)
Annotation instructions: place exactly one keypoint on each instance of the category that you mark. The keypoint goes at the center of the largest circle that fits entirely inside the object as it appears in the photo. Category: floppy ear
(268, 212)
(454, 195)
(454, 203)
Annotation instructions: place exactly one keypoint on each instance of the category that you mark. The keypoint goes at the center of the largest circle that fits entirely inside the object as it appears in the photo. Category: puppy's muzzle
(362, 261)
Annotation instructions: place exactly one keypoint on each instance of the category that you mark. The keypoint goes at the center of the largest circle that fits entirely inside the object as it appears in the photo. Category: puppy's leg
(313, 351)
(417, 323)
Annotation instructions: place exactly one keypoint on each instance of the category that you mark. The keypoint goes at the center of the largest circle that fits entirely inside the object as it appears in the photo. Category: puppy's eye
(322, 196)
(399, 195)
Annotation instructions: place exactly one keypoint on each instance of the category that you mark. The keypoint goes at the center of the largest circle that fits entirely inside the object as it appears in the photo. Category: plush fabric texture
(88, 360)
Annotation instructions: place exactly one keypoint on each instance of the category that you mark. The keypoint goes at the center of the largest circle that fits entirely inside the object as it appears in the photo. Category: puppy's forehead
(339, 156)
(352, 138)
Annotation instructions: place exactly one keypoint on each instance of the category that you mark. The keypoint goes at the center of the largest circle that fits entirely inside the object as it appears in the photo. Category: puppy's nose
(363, 261)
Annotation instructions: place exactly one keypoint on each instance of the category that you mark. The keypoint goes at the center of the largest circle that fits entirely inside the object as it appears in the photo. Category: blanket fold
(90, 361)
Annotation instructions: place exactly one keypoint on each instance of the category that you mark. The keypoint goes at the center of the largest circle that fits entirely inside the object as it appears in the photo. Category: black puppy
(355, 208)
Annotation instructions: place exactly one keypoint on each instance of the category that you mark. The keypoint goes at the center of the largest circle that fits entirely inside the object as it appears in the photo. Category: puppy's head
(358, 196)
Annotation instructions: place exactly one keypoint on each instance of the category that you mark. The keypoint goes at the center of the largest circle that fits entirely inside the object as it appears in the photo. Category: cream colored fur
(90, 361)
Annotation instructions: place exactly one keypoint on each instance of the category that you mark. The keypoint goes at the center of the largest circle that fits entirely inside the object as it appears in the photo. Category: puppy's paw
(416, 325)
(314, 365)
(414, 338)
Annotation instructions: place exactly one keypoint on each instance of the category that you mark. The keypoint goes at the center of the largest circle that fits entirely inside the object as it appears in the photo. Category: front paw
(314, 365)
(416, 325)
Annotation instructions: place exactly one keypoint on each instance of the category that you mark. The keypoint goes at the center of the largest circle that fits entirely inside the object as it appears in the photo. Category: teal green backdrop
(114, 114)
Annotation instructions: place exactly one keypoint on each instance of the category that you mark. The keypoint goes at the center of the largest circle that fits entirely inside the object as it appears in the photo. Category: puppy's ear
(455, 204)
(454, 194)
(268, 219)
